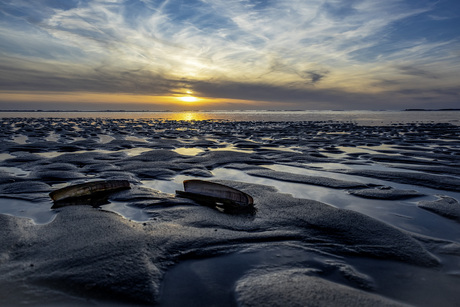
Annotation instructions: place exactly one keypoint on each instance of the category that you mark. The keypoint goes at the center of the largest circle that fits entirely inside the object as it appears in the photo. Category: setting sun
(188, 99)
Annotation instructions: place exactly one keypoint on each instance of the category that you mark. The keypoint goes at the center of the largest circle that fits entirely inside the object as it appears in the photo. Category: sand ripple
(340, 196)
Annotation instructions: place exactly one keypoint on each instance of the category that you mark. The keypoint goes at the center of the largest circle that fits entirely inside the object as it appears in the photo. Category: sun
(188, 99)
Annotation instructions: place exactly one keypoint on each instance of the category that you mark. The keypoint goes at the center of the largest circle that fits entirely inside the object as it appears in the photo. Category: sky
(229, 54)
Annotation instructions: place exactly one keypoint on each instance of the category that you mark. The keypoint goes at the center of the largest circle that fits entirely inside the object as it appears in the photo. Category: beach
(358, 211)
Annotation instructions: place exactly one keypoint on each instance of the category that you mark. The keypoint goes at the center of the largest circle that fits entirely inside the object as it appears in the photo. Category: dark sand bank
(346, 215)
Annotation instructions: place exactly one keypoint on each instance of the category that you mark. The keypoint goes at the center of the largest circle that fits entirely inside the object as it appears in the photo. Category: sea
(361, 117)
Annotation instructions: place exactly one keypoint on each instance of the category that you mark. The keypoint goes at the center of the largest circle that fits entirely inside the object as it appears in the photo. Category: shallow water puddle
(167, 186)
(393, 212)
(400, 213)
(308, 170)
(321, 173)
(388, 149)
(283, 149)
(389, 211)
(129, 152)
(5, 156)
(20, 139)
(411, 284)
(212, 281)
(15, 171)
(135, 139)
(325, 168)
(51, 154)
(52, 137)
(232, 148)
(188, 151)
(408, 216)
(104, 139)
(39, 213)
(128, 212)
(345, 151)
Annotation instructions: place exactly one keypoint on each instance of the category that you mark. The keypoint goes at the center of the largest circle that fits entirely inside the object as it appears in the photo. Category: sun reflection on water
(188, 116)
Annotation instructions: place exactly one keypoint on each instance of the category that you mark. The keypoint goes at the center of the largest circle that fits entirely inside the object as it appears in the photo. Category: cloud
(273, 50)
(414, 71)
(315, 98)
(17, 75)
(316, 76)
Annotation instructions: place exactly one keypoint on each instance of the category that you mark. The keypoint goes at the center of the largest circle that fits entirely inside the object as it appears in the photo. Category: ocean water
(362, 117)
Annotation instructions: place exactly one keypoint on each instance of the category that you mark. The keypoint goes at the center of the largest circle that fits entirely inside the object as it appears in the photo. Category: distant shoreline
(430, 110)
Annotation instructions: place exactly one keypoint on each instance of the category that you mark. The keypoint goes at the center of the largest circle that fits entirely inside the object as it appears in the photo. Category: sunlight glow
(101, 101)
(188, 99)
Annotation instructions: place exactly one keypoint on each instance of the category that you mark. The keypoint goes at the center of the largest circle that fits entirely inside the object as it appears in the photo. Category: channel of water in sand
(403, 214)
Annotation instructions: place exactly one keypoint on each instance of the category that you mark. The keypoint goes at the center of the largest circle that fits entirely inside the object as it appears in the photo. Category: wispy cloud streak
(170, 46)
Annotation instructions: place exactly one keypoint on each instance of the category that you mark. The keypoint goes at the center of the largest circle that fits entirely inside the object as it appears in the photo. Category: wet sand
(346, 214)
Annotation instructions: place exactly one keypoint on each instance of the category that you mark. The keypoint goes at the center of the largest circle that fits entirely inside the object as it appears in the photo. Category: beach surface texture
(344, 214)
